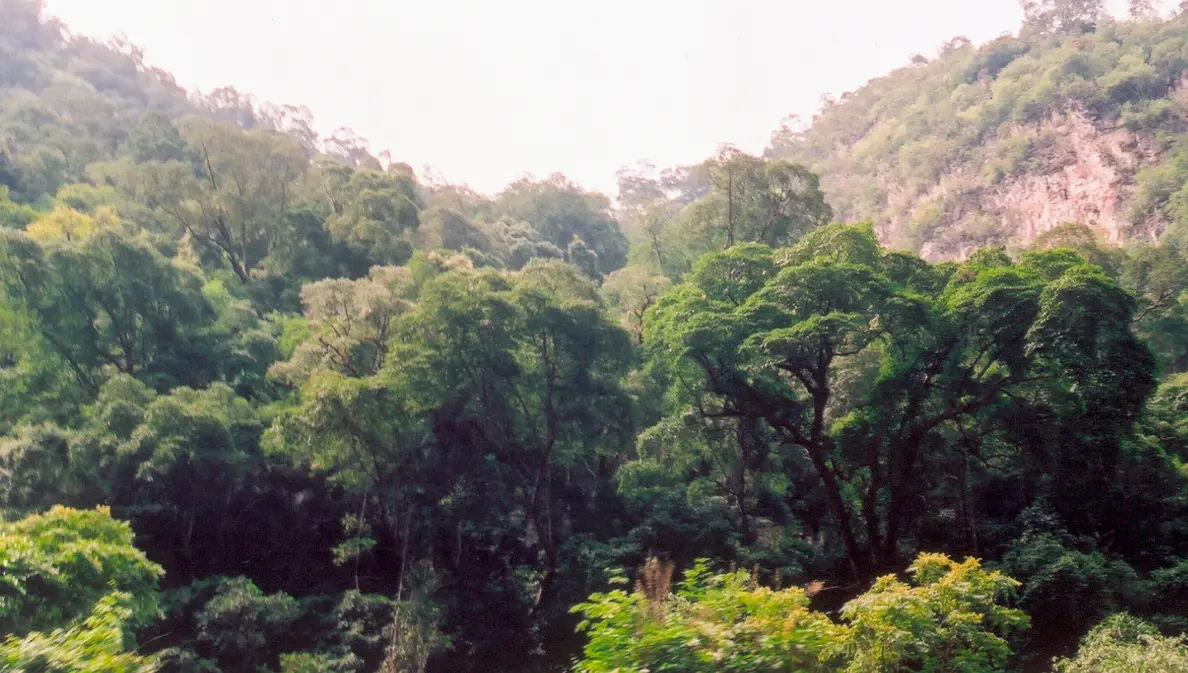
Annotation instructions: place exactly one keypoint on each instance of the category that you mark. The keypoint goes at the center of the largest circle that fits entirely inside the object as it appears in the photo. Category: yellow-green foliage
(951, 617)
(1123, 644)
(94, 646)
(954, 618)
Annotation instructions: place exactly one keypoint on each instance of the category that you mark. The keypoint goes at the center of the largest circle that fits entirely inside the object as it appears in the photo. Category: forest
(273, 403)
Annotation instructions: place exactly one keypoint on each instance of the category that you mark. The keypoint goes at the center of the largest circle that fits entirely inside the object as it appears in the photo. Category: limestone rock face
(1084, 173)
(1089, 184)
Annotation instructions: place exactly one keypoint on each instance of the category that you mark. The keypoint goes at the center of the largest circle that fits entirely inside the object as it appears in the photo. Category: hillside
(997, 143)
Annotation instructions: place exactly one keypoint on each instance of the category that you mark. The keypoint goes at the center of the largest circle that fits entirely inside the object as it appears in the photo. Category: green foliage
(369, 421)
(414, 634)
(560, 211)
(94, 645)
(1158, 277)
(308, 662)
(926, 149)
(59, 566)
(372, 212)
(1122, 644)
(731, 198)
(712, 623)
(14, 215)
(240, 622)
(35, 470)
(820, 346)
(629, 293)
(952, 620)
(1066, 590)
(464, 358)
(113, 304)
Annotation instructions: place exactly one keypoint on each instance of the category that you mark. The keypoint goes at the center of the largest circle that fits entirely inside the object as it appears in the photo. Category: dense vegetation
(271, 403)
(927, 149)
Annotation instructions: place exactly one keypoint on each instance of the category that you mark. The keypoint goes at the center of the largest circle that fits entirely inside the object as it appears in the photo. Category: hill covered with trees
(269, 402)
(1080, 117)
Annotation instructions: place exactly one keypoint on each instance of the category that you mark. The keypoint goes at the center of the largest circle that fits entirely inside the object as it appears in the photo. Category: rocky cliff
(994, 145)
(1086, 175)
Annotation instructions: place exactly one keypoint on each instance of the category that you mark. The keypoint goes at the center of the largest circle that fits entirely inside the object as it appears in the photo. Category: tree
(113, 304)
(414, 631)
(1064, 589)
(1062, 16)
(517, 243)
(190, 455)
(26, 32)
(239, 626)
(352, 323)
(774, 203)
(36, 386)
(35, 472)
(70, 225)
(1143, 10)
(775, 336)
(1158, 277)
(13, 215)
(1085, 242)
(447, 229)
(748, 200)
(230, 191)
(348, 148)
(559, 211)
(1168, 409)
(156, 139)
(954, 619)
(59, 566)
(581, 256)
(711, 623)
(511, 381)
(372, 212)
(629, 293)
(730, 458)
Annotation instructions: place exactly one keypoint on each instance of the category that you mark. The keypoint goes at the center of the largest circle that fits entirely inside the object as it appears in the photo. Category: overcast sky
(486, 90)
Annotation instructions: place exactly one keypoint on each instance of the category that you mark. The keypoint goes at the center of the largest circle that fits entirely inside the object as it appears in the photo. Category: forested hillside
(1081, 117)
(270, 402)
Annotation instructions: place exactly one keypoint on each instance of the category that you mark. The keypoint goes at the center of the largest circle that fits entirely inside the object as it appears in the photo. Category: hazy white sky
(487, 90)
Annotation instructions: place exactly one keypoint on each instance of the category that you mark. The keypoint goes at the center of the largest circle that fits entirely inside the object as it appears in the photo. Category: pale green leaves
(951, 619)
(1123, 644)
(94, 645)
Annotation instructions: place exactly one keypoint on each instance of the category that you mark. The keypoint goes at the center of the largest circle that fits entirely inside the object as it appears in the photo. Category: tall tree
(560, 210)
(1143, 10)
(374, 213)
(772, 336)
(232, 195)
(748, 200)
(113, 304)
(499, 398)
(1062, 16)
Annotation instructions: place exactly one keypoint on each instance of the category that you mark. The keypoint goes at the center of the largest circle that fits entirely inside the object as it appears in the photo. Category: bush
(952, 617)
(1123, 644)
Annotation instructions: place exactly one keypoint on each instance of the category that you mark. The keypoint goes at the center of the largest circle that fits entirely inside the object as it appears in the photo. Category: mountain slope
(995, 144)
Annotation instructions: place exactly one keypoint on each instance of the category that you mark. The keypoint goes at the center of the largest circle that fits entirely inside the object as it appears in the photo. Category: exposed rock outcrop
(1083, 173)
